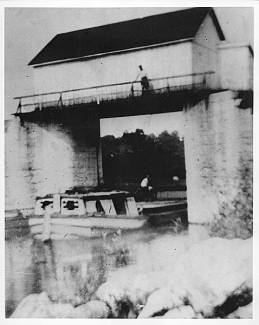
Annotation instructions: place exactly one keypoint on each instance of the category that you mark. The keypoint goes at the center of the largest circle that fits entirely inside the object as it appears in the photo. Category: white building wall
(158, 62)
(205, 53)
(236, 67)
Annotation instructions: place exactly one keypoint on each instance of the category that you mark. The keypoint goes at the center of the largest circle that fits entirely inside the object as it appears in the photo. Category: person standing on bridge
(142, 75)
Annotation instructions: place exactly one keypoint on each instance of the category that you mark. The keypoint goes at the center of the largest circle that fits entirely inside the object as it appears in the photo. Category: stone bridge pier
(43, 158)
(218, 156)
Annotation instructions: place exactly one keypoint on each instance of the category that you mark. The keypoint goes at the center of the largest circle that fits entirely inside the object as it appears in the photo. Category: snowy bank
(208, 279)
(209, 274)
(40, 306)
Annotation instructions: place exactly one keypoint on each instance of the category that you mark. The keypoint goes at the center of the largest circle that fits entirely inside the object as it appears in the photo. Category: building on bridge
(171, 47)
(177, 49)
(191, 68)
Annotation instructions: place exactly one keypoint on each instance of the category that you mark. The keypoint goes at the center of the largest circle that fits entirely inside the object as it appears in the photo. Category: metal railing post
(204, 81)
(132, 90)
(60, 101)
(19, 107)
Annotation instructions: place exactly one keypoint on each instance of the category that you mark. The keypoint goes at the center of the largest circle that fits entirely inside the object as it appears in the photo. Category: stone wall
(42, 159)
(219, 158)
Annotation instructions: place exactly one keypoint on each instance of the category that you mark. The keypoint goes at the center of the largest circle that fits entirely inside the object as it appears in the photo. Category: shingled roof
(131, 34)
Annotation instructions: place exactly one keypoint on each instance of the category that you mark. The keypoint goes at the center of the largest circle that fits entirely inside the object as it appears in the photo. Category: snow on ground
(202, 277)
(179, 278)
(40, 306)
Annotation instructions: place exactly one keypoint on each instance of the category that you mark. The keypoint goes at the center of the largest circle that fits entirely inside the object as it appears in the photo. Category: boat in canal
(162, 213)
(91, 214)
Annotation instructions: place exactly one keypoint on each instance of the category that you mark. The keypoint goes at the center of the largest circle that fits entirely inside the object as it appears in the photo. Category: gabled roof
(131, 34)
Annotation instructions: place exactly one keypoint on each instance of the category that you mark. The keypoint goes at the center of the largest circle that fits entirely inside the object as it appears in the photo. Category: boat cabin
(102, 203)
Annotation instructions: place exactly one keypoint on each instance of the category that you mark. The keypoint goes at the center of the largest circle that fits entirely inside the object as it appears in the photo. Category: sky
(28, 30)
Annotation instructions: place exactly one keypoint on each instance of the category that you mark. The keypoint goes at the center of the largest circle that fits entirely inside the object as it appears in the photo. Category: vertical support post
(19, 108)
(132, 90)
(60, 101)
(97, 162)
(98, 152)
(46, 226)
(56, 203)
(204, 81)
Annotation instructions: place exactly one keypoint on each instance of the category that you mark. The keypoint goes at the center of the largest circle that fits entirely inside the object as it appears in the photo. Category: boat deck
(164, 212)
(160, 206)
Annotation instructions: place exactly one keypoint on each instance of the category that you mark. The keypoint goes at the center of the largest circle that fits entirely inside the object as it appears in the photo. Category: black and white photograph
(128, 161)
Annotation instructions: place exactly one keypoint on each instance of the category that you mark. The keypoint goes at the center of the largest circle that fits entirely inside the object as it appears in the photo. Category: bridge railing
(101, 93)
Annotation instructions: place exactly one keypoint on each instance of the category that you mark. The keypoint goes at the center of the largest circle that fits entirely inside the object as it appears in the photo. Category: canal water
(40, 161)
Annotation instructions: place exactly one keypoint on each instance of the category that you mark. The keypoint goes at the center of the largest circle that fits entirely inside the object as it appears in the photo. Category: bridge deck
(167, 94)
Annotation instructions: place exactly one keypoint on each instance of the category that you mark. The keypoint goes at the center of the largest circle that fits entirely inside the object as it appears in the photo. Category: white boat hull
(67, 227)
